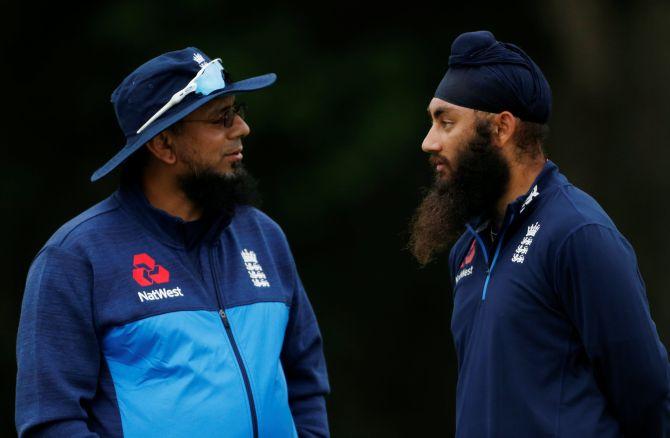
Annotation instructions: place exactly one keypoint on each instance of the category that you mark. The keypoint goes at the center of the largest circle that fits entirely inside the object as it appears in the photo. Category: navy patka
(551, 324)
(488, 75)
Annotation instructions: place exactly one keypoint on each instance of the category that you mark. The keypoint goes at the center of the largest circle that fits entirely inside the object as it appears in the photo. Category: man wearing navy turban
(551, 322)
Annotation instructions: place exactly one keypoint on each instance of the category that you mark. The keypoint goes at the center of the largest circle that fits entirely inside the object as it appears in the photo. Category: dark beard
(478, 181)
(215, 193)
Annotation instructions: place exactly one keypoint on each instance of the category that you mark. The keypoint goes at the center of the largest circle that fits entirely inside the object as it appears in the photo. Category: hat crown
(143, 92)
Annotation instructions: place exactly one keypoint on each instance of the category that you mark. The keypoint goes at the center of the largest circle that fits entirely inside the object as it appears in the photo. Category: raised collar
(170, 229)
(548, 178)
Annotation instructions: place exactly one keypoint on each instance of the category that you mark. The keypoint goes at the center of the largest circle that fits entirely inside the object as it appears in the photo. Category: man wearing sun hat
(173, 307)
(550, 321)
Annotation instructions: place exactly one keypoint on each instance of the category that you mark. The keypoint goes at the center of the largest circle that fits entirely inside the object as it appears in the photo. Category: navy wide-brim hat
(146, 90)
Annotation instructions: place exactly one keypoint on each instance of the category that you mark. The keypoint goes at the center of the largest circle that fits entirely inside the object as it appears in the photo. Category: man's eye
(447, 123)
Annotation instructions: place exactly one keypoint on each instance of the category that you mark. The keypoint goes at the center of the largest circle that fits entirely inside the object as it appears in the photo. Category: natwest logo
(470, 256)
(147, 272)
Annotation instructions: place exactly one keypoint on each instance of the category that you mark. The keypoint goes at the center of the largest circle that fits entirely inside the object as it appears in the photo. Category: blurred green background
(336, 146)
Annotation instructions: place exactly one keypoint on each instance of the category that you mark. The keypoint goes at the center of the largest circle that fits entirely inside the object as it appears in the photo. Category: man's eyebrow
(220, 108)
(438, 111)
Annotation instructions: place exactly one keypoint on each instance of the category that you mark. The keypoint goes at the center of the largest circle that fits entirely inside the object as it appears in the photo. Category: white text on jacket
(159, 294)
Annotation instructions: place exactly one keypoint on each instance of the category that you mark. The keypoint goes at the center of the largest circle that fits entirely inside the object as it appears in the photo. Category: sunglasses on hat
(208, 79)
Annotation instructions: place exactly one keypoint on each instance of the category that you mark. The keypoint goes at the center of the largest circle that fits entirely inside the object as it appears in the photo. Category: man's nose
(240, 128)
(430, 143)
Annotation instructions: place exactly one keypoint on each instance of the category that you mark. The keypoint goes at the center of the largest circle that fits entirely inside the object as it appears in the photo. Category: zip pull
(224, 317)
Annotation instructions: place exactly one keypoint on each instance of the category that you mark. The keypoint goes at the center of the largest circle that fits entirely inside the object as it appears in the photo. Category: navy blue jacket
(135, 323)
(551, 324)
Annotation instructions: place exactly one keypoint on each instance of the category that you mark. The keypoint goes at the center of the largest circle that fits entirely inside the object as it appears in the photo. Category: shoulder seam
(62, 240)
(58, 247)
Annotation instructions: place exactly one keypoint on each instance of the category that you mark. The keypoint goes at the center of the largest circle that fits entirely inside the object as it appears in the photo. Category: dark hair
(530, 138)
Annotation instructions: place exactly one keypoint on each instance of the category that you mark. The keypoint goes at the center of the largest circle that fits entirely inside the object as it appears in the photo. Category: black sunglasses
(227, 115)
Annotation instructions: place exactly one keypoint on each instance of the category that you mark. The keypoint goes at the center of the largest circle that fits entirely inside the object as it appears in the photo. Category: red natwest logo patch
(471, 255)
(146, 271)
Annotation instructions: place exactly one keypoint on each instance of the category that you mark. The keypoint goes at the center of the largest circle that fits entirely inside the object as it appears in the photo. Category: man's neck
(522, 176)
(163, 192)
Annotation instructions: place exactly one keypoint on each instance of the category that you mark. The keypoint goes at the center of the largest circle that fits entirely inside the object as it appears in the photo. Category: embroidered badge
(530, 198)
(254, 268)
(197, 57)
(521, 250)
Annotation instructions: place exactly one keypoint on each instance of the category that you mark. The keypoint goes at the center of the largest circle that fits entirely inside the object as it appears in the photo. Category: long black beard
(215, 193)
(478, 181)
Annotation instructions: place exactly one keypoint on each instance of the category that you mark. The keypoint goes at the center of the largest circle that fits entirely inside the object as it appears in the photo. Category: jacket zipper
(238, 356)
(489, 269)
(493, 263)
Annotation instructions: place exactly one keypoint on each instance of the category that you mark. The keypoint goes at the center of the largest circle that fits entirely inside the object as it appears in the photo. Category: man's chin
(234, 169)
(229, 171)
(213, 189)
(229, 174)
(442, 177)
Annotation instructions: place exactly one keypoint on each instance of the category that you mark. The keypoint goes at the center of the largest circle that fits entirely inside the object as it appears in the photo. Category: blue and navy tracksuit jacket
(552, 326)
(135, 323)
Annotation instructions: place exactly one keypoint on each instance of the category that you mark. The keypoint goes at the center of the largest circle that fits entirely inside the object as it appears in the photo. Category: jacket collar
(548, 178)
(169, 229)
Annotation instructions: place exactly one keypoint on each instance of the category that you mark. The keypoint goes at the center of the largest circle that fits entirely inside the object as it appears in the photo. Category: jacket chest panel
(146, 278)
(519, 302)
(248, 274)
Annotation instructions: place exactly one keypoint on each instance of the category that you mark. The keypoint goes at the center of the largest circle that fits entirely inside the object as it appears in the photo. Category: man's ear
(162, 147)
(505, 127)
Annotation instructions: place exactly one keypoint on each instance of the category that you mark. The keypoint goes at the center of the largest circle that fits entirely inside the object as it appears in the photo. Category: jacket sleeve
(57, 350)
(601, 287)
(305, 367)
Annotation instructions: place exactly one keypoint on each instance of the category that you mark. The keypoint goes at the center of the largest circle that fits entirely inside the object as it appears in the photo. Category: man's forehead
(218, 104)
(438, 106)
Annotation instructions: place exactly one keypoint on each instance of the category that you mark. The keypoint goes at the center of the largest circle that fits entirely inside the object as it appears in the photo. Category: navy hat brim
(245, 85)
